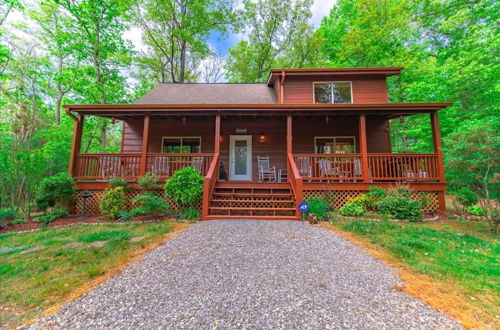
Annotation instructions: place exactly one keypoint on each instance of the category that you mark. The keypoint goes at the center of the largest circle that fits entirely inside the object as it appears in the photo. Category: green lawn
(31, 282)
(464, 254)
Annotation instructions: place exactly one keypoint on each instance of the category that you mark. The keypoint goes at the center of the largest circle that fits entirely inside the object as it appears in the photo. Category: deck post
(217, 134)
(145, 142)
(363, 147)
(436, 140)
(288, 144)
(76, 144)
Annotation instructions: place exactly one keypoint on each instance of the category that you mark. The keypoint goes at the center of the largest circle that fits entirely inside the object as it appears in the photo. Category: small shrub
(353, 209)
(19, 221)
(124, 215)
(191, 214)
(56, 190)
(185, 187)
(399, 207)
(362, 199)
(118, 182)
(149, 204)
(60, 213)
(476, 210)
(466, 197)
(148, 181)
(374, 194)
(399, 190)
(6, 215)
(45, 218)
(318, 207)
(112, 202)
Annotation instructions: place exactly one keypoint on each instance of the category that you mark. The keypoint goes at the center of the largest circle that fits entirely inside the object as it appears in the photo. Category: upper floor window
(333, 92)
(181, 144)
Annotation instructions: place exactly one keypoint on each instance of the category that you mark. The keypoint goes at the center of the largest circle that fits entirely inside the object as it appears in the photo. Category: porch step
(252, 201)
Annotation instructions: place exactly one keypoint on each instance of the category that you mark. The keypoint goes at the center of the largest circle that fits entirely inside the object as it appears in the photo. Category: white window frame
(334, 141)
(181, 138)
(331, 82)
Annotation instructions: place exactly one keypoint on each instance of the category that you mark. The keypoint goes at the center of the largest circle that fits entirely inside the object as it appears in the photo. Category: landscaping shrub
(374, 195)
(124, 215)
(191, 214)
(362, 199)
(476, 210)
(399, 190)
(60, 213)
(113, 202)
(185, 187)
(6, 215)
(148, 181)
(118, 182)
(56, 190)
(466, 197)
(45, 218)
(148, 204)
(318, 207)
(399, 207)
(353, 209)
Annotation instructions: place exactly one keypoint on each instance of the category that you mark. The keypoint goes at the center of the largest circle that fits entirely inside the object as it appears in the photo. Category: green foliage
(112, 235)
(56, 190)
(318, 207)
(148, 181)
(45, 218)
(113, 202)
(7, 215)
(400, 207)
(60, 213)
(466, 197)
(19, 221)
(191, 214)
(118, 182)
(185, 187)
(476, 210)
(353, 209)
(148, 204)
(124, 215)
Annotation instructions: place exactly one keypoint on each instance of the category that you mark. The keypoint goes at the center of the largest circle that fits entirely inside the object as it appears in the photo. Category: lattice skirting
(93, 201)
(338, 198)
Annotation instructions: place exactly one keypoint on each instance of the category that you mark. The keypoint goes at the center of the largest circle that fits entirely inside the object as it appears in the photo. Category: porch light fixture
(262, 138)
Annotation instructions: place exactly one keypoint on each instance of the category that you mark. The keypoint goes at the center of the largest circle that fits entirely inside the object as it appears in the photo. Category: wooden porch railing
(127, 165)
(381, 167)
(209, 183)
(295, 180)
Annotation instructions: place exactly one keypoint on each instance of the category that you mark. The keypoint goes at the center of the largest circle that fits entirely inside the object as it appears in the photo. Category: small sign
(241, 131)
(304, 207)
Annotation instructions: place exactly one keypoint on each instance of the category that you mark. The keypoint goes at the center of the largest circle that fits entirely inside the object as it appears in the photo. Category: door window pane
(240, 157)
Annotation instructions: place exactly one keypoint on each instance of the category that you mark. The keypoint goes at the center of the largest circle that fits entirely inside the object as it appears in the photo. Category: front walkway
(252, 274)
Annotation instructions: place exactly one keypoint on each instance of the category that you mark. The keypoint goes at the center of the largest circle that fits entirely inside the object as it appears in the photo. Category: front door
(240, 157)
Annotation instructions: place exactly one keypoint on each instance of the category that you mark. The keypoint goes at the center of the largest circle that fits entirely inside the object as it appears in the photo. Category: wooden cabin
(263, 148)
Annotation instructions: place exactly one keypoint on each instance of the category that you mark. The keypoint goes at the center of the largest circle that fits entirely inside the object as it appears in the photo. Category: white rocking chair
(304, 166)
(266, 172)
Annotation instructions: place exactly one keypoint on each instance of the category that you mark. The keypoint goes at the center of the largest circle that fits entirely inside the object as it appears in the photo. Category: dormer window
(332, 92)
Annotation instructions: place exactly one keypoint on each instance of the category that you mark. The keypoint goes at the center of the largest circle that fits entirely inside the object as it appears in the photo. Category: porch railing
(127, 165)
(381, 167)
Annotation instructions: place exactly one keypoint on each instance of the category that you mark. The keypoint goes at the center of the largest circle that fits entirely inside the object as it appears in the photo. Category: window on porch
(335, 144)
(181, 144)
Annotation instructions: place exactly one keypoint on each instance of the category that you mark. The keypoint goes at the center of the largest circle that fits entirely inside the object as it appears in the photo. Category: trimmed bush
(399, 207)
(476, 210)
(113, 202)
(353, 209)
(374, 194)
(118, 182)
(56, 190)
(124, 215)
(318, 207)
(191, 214)
(45, 218)
(185, 187)
(466, 197)
(148, 181)
(148, 204)
(6, 215)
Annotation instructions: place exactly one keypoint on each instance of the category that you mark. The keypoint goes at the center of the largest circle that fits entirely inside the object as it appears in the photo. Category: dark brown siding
(365, 89)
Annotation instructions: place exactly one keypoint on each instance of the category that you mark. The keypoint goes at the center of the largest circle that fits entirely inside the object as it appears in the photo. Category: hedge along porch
(298, 140)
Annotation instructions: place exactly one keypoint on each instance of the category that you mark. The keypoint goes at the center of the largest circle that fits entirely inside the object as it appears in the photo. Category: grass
(32, 282)
(462, 256)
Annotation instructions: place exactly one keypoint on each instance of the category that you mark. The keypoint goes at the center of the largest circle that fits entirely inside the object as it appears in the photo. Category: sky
(319, 9)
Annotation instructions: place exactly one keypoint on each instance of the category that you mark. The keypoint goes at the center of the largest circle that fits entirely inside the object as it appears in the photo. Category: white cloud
(319, 9)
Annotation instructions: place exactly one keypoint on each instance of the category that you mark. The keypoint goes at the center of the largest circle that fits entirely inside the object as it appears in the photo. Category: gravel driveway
(252, 274)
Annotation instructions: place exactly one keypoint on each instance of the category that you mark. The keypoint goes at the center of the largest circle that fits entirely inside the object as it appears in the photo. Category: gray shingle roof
(209, 94)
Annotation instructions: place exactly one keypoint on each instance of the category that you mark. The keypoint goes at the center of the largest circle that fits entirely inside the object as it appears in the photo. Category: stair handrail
(208, 184)
(296, 181)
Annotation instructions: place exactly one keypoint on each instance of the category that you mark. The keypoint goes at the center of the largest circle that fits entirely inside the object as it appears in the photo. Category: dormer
(329, 86)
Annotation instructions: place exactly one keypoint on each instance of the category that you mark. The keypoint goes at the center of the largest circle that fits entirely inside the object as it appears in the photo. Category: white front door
(240, 157)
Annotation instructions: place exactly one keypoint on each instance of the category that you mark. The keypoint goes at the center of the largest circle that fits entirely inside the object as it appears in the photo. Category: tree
(277, 32)
(176, 33)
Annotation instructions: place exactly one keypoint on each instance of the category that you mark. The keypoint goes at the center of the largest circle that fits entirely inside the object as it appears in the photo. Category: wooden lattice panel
(94, 200)
(338, 198)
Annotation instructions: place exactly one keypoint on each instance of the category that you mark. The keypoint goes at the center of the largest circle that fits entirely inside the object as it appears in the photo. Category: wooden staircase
(249, 200)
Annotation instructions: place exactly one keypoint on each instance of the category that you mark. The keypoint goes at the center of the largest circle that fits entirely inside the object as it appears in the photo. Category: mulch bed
(69, 221)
